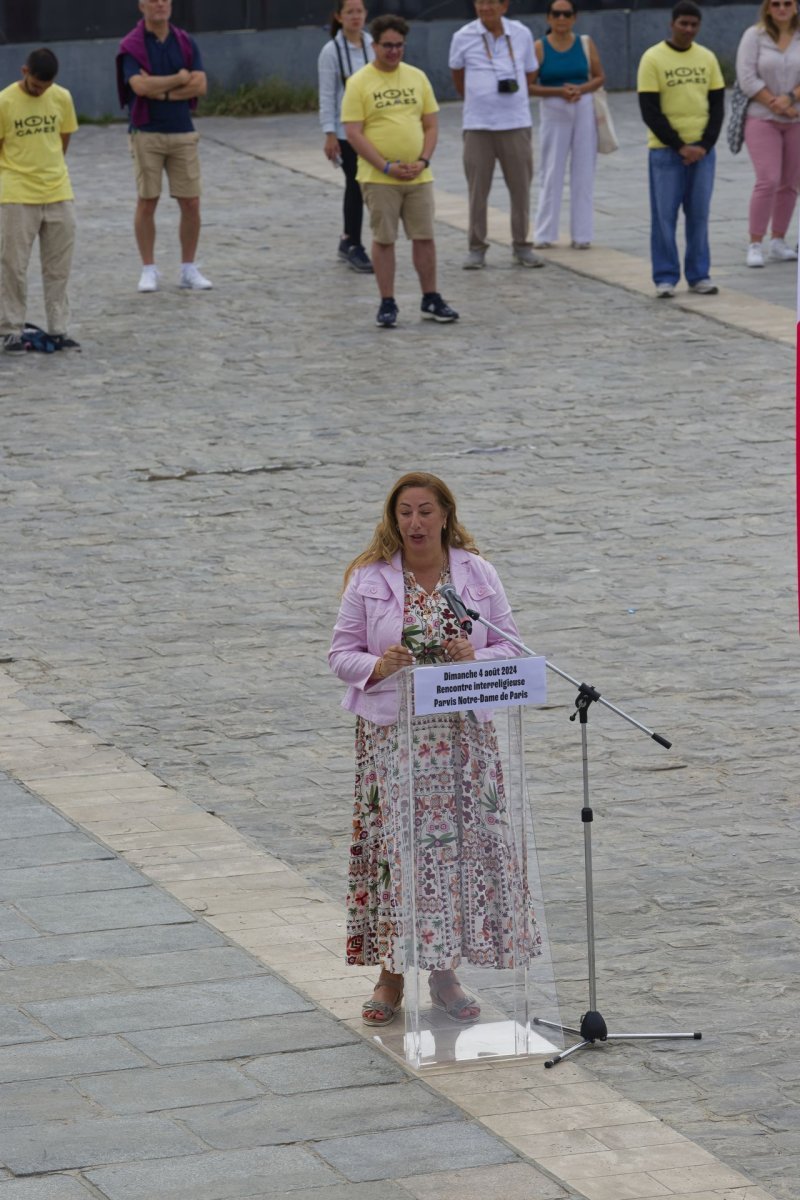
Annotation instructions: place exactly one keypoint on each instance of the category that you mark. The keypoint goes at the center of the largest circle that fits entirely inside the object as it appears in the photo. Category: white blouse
(759, 63)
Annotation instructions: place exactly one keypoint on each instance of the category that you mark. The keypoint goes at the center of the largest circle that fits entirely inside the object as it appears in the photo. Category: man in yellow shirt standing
(682, 102)
(37, 118)
(389, 116)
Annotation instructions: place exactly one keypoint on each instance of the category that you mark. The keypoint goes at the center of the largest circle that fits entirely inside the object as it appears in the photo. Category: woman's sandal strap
(379, 1006)
(456, 1006)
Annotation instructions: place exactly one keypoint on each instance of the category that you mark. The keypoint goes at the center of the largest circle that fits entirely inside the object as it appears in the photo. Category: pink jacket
(371, 619)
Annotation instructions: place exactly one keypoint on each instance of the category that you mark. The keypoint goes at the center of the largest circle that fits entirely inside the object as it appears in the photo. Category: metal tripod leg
(610, 1037)
(593, 1027)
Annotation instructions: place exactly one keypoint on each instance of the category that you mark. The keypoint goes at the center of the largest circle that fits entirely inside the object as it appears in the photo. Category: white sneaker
(148, 280)
(525, 257)
(191, 278)
(664, 291)
(755, 255)
(475, 260)
(704, 287)
(780, 252)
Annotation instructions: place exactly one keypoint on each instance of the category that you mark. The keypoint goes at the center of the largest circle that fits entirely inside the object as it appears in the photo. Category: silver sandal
(386, 1011)
(457, 1006)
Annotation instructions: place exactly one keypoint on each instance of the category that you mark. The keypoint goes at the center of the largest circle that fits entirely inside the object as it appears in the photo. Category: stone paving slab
(54, 1145)
(512, 1181)
(318, 1114)
(436, 1148)
(182, 1006)
(218, 962)
(318, 1070)
(49, 848)
(60, 880)
(230, 1175)
(16, 1028)
(146, 1090)
(53, 1187)
(166, 938)
(240, 1039)
(78, 1056)
(93, 912)
(40, 1100)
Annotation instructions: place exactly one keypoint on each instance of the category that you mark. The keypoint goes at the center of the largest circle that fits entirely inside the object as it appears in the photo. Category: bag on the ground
(607, 140)
(36, 339)
(735, 130)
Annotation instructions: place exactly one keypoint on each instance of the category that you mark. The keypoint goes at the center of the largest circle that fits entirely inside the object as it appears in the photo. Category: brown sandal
(385, 1012)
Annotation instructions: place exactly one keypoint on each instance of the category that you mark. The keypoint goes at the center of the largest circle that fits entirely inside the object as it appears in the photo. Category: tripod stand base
(593, 1029)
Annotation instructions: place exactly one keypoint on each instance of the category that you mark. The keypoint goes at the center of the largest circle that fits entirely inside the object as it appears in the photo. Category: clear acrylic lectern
(466, 891)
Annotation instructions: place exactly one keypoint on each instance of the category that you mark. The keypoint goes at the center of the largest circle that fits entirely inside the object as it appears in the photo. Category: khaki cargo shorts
(388, 203)
(175, 153)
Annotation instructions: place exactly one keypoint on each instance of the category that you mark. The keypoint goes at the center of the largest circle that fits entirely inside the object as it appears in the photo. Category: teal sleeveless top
(563, 66)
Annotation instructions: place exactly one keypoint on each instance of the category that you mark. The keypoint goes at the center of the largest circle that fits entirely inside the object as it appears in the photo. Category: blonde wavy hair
(386, 539)
(766, 22)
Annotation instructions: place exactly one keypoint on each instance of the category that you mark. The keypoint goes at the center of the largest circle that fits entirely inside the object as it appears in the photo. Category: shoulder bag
(607, 141)
(735, 130)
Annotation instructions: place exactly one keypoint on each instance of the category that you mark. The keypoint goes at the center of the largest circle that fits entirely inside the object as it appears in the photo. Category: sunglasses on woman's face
(782, 3)
(568, 12)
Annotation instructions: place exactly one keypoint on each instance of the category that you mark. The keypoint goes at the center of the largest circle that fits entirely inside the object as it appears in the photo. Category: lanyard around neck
(344, 77)
(347, 52)
(489, 54)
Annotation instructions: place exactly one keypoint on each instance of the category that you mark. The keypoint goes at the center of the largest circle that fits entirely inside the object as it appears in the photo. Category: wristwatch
(427, 161)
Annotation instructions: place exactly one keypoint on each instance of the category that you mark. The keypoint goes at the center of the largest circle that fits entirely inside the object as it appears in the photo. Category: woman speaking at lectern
(472, 900)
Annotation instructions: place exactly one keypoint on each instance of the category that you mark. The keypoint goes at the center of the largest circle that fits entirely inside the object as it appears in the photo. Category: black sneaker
(358, 260)
(343, 251)
(13, 343)
(434, 308)
(65, 343)
(387, 313)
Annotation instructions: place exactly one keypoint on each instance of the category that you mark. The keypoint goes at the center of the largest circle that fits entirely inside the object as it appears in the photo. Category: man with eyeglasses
(389, 117)
(493, 64)
(682, 102)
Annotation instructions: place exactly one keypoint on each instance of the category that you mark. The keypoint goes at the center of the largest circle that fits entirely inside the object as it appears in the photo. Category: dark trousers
(353, 202)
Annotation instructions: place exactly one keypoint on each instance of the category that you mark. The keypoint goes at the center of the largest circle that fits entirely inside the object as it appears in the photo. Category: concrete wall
(87, 68)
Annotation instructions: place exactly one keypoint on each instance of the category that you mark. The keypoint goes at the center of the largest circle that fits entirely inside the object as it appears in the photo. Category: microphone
(456, 604)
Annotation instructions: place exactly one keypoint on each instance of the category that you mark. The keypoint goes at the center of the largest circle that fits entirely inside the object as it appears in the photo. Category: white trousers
(566, 131)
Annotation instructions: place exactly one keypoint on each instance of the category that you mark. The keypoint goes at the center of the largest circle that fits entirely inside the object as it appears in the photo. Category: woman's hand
(332, 148)
(393, 659)
(460, 650)
(571, 92)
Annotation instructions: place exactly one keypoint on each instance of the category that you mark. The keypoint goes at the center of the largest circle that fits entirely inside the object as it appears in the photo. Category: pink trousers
(774, 147)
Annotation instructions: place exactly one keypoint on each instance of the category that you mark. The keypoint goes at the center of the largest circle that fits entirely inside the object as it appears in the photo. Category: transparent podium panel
(464, 888)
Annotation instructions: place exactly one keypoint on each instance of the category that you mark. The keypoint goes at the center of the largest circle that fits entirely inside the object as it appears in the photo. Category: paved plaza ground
(178, 503)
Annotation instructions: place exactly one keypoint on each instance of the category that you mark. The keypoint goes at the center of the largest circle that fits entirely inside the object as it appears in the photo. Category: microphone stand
(592, 1027)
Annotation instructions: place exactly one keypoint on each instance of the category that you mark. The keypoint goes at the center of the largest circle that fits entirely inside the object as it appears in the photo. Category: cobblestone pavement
(179, 501)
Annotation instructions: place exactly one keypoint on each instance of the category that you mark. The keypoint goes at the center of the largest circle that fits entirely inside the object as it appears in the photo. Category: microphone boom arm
(586, 693)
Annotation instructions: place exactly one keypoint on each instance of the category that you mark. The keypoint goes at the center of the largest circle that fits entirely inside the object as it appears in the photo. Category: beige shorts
(389, 202)
(175, 153)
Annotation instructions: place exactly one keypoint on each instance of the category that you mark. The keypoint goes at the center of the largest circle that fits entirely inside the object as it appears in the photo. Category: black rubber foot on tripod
(593, 1027)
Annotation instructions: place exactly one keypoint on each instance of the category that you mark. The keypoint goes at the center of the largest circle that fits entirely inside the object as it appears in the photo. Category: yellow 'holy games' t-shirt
(391, 105)
(683, 79)
(32, 165)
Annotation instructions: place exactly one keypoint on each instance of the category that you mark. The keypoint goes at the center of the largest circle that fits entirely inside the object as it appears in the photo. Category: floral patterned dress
(473, 903)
